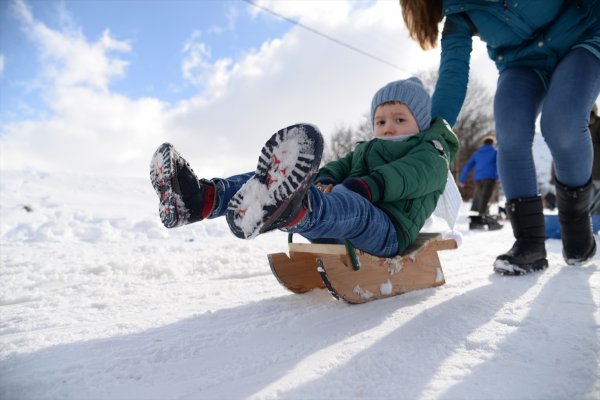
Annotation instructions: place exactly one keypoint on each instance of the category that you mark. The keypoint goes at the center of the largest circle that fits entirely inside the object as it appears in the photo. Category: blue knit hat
(409, 92)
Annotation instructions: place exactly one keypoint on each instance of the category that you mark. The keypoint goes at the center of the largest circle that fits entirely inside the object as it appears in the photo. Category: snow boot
(476, 222)
(492, 223)
(183, 198)
(528, 253)
(276, 195)
(577, 236)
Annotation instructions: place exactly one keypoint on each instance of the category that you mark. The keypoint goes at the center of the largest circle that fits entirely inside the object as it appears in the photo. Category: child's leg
(226, 189)
(343, 214)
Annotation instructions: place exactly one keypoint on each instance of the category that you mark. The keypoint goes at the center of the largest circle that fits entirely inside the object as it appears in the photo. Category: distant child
(486, 180)
(383, 191)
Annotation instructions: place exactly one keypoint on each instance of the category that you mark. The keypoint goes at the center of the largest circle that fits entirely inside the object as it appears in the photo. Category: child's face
(394, 120)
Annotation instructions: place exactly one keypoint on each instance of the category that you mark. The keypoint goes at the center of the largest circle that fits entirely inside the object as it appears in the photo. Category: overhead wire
(324, 35)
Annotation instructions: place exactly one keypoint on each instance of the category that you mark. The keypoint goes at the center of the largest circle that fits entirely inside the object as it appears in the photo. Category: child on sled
(383, 191)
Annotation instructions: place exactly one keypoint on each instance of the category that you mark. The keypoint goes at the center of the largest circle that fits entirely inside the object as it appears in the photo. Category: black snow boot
(276, 196)
(476, 222)
(183, 198)
(492, 223)
(528, 253)
(573, 206)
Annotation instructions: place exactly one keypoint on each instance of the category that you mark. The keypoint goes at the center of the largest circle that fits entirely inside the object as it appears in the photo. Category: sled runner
(357, 277)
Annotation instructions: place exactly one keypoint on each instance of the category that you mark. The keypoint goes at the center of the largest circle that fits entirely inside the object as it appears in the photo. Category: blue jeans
(226, 189)
(345, 215)
(334, 217)
(565, 102)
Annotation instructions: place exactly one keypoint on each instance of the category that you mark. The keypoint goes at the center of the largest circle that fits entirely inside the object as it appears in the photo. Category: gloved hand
(324, 184)
(325, 181)
(359, 186)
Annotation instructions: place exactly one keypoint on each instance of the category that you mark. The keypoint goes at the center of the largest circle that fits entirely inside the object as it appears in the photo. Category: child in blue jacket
(485, 178)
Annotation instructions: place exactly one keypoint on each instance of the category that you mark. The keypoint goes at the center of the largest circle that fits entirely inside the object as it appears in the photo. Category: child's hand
(324, 184)
(324, 188)
(359, 186)
(325, 181)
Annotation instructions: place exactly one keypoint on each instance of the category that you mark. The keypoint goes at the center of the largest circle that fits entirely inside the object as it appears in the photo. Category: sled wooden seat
(312, 266)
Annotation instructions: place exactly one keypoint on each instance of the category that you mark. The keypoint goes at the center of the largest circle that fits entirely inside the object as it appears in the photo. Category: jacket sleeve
(465, 172)
(419, 173)
(451, 86)
(338, 170)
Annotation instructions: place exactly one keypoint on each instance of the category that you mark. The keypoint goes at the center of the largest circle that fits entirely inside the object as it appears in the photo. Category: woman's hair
(422, 19)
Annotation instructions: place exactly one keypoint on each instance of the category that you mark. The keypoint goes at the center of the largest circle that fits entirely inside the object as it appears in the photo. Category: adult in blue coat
(548, 56)
(485, 176)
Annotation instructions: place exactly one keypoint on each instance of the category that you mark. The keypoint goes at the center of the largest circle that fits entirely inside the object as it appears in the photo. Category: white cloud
(90, 129)
(1, 65)
(298, 77)
(69, 59)
(231, 15)
(198, 70)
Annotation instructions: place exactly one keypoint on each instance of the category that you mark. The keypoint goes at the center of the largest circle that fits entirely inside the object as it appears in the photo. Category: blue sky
(156, 31)
(95, 86)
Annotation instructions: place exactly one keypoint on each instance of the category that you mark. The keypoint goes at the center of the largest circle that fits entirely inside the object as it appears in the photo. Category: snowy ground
(98, 301)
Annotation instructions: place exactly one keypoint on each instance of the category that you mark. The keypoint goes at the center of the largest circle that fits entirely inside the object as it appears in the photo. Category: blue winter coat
(484, 162)
(518, 33)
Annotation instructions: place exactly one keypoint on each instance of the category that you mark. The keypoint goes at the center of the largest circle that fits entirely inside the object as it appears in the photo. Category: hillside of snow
(99, 301)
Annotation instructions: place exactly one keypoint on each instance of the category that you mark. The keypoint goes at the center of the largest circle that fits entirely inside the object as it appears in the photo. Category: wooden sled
(360, 277)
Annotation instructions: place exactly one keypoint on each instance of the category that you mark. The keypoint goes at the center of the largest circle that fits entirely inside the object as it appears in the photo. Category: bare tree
(345, 138)
(476, 118)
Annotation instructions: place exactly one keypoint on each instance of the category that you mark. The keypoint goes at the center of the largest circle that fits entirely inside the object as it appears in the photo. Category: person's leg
(226, 188)
(345, 215)
(476, 202)
(517, 102)
(486, 188)
(573, 90)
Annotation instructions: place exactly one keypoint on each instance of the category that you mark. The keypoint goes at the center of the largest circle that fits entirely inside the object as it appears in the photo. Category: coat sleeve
(451, 87)
(338, 170)
(419, 173)
(467, 168)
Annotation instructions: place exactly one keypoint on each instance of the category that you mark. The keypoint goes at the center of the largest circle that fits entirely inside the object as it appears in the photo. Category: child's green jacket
(406, 178)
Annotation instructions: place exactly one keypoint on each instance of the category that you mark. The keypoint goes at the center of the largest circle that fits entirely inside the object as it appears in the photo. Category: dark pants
(483, 193)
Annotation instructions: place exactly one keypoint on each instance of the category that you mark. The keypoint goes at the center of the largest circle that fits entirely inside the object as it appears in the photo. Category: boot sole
(163, 175)
(288, 162)
(504, 267)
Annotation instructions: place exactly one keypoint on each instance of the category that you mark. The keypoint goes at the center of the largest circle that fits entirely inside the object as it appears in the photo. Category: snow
(543, 164)
(99, 301)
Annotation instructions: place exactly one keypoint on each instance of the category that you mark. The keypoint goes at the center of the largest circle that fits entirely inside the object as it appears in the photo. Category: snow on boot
(573, 205)
(183, 198)
(275, 195)
(528, 253)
